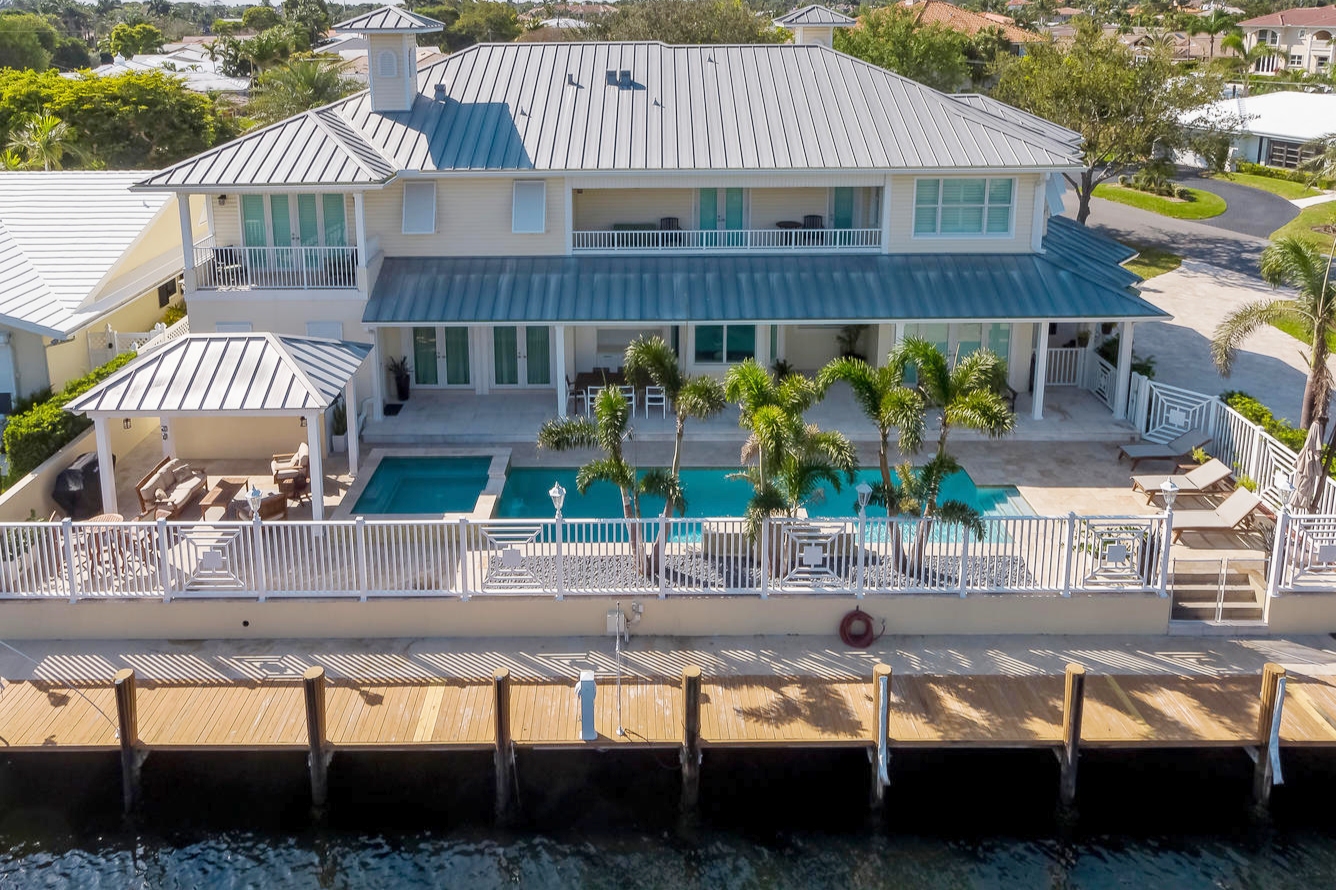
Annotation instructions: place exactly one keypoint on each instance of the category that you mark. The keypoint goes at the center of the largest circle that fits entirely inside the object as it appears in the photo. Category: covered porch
(238, 398)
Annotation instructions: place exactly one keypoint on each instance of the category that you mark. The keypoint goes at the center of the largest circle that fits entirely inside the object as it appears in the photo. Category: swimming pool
(424, 485)
(709, 492)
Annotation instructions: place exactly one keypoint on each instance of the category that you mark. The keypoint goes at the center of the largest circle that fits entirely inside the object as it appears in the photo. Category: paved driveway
(1251, 211)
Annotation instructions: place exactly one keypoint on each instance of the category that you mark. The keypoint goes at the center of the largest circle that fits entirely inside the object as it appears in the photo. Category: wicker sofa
(169, 487)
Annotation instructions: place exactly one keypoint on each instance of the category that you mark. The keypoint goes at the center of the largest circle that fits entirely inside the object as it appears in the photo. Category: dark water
(609, 820)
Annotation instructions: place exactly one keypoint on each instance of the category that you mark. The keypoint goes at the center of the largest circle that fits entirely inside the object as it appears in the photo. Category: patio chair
(655, 397)
(1234, 512)
(273, 507)
(1178, 448)
(292, 470)
(629, 393)
(1210, 475)
(590, 397)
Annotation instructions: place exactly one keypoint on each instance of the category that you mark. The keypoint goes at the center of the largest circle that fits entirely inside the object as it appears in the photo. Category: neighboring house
(352, 50)
(515, 215)
(192, 64)
(1277, 128)
(80, 253)
(1301, 38)
(970, 23)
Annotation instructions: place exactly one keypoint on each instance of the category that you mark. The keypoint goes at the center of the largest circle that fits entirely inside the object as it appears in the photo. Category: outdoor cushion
(1203, 478)
(183, 474)
(161, 480)
(159, 494)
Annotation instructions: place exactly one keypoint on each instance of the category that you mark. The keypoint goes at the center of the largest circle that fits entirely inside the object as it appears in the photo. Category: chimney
(439, 92)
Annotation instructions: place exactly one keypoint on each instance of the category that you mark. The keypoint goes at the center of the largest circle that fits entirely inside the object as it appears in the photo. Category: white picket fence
(386, 558)
(105, 345)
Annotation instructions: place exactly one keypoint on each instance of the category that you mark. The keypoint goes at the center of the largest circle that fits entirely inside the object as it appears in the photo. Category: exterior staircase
(1218, 590)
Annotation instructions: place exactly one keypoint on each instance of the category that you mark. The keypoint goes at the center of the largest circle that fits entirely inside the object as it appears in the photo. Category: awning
(1077, 277)
(220, 374)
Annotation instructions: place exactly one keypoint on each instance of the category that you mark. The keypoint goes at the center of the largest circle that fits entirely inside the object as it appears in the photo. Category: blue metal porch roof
(1077, 277)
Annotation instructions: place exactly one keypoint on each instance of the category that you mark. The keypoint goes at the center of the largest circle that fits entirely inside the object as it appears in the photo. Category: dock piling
(1266, 769)
(127, 725)
(881, 742)
(318, 755)
(1073, 706)
(503, 756)
(690, 737)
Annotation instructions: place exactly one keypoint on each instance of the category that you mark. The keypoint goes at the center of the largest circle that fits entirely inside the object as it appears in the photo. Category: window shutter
(331, 330)
(419, 208)
(529, 215)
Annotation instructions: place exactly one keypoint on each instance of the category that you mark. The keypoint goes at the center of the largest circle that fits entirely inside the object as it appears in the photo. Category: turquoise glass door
(709, 215)
(505, 356)
(308, 223)
(280, 221)
(842, 210)
(456, 356)
(253, 230)
(521, 356)
(733, 215)
(425, 371)
(537, 357)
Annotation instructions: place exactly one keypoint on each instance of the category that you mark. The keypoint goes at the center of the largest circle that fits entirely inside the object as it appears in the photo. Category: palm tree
(887, 402)
(1322, 166)
(1298, 264)
(650, 359)
(607, 431)
(785, 458)
(44, 140)
(1213, 25)
(298, 86)
(1246, 58)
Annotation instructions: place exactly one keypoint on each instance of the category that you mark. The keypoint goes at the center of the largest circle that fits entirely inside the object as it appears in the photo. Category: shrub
(1141, 364)
(175, 312)
(1251, 409)
(46, 427)
(1298, 176)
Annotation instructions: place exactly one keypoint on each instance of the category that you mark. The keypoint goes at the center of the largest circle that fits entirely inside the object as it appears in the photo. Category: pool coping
(483, 508)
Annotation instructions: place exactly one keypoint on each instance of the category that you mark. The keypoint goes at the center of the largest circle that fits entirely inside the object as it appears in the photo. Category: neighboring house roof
(192, 66)
(815, 15)
(390, 20)
(1292, 116)
(1077, 277)
(936, 12)
(544, 106)
(61, 234)
(229, 374)
(1310, 17)
(1022, 118)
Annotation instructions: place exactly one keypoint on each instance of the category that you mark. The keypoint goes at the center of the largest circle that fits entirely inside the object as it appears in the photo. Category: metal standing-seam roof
(390, 20)
(1064, 282)
(551, 106)
(816, 15)
(228, 374)
(1021, 118)
(61, 233)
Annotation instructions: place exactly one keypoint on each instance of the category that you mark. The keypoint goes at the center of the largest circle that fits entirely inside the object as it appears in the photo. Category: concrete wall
(902, 224)
(236, 437)
(30, 369)
(820, 615)
(1302, 613)
(32, 494)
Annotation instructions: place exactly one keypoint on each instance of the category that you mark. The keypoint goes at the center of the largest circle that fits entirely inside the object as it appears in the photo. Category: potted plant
(402, 378)
(338, 426)
(848, 339)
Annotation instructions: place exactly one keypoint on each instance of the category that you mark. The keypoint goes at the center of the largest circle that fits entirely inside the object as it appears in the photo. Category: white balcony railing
(219, 268)
(770, 240)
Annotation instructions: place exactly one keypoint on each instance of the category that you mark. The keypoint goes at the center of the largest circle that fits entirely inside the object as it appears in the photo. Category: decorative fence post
(663, 556)
(363, 570)
(1279, 552)
(464, 590)
(1168, 539)
(862, 551)
(257, 541)
(71, 574)
(557, 525)
(164, 564)
(964, 560)
(1069, 555)
(765, 553)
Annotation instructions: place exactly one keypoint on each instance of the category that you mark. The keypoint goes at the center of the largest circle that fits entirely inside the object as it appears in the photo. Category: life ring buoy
(856, 629)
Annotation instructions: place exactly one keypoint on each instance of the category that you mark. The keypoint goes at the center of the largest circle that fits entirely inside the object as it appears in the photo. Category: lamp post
(253, 499)
(864, 496)
(558, 495)
(1285, 488)
(1168, 491)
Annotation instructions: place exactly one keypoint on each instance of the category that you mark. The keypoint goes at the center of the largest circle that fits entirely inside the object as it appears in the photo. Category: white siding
(473, 218)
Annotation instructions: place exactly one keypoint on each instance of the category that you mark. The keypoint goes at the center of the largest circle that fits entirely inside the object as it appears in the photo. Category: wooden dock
(1105, 711)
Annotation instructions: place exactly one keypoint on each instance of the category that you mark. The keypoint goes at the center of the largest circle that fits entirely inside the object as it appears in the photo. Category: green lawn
(1283, 187)
(1302, 226)
(1298, 333)
(1152, 261)
(1203, 205)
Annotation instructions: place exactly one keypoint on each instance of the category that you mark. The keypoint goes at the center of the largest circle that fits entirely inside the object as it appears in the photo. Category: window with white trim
(1270, 38)
(419, 208)
(1296, 60)
(529, 207)
(957, 206)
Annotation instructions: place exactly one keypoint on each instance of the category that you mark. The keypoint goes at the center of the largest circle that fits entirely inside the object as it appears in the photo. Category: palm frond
(663, 484)
(652, 360)
(567, 434)
(700, 398)
(982, 410)
(605, 469)
(961, 514)
(1240, 324)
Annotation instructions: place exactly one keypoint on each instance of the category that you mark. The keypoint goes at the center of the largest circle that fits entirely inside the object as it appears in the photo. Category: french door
(441, 356)
(521, 356)
(722, 210)
(292, 221)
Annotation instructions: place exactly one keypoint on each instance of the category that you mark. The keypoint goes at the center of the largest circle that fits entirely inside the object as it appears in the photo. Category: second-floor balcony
(641, 239)
(230, 267)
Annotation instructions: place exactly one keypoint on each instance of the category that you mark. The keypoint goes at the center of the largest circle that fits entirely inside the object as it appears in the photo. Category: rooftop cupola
(391, 44)
(815, 24)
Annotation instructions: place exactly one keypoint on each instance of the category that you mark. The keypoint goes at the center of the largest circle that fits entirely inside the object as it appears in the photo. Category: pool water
(424, 485)
(709, 492)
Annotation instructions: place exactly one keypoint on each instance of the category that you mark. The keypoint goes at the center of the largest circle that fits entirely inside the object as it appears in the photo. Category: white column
(350, 403)
(1040, 368)
(316, 447)
(570, 217)
(885, 342)
(106, 465)
(1124, 371)
(886, 215)
(359, 221)
(168, 437)
(1037, 221)
(377, 377)
(763, 356)
(187, 240)
(559, 334)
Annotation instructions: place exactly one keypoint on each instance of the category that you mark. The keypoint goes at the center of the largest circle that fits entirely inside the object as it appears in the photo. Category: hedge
(37, 433)
(1284, 432)
(1298, 176)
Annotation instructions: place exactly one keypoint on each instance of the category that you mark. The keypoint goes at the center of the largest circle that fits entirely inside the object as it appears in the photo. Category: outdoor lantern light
(1169, 491)
(253, 498)
(1285, 486)
(558, 495)
(864, 495)
(125, 424)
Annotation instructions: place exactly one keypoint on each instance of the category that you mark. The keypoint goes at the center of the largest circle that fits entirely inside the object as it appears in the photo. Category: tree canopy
(894, 38)
(299, 85)
(26, 41)
(128, 41)
(1127, 109)
(685, 21)
(142, 120)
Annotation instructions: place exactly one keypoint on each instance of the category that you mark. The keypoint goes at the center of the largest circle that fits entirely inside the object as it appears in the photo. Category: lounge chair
(1178, 448)
(1234, 512)
(1208, 476)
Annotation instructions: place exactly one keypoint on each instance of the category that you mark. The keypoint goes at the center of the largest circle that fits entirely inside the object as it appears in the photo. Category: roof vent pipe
(626, 81)
(612, 78)
(440, 92)
(570, 79)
